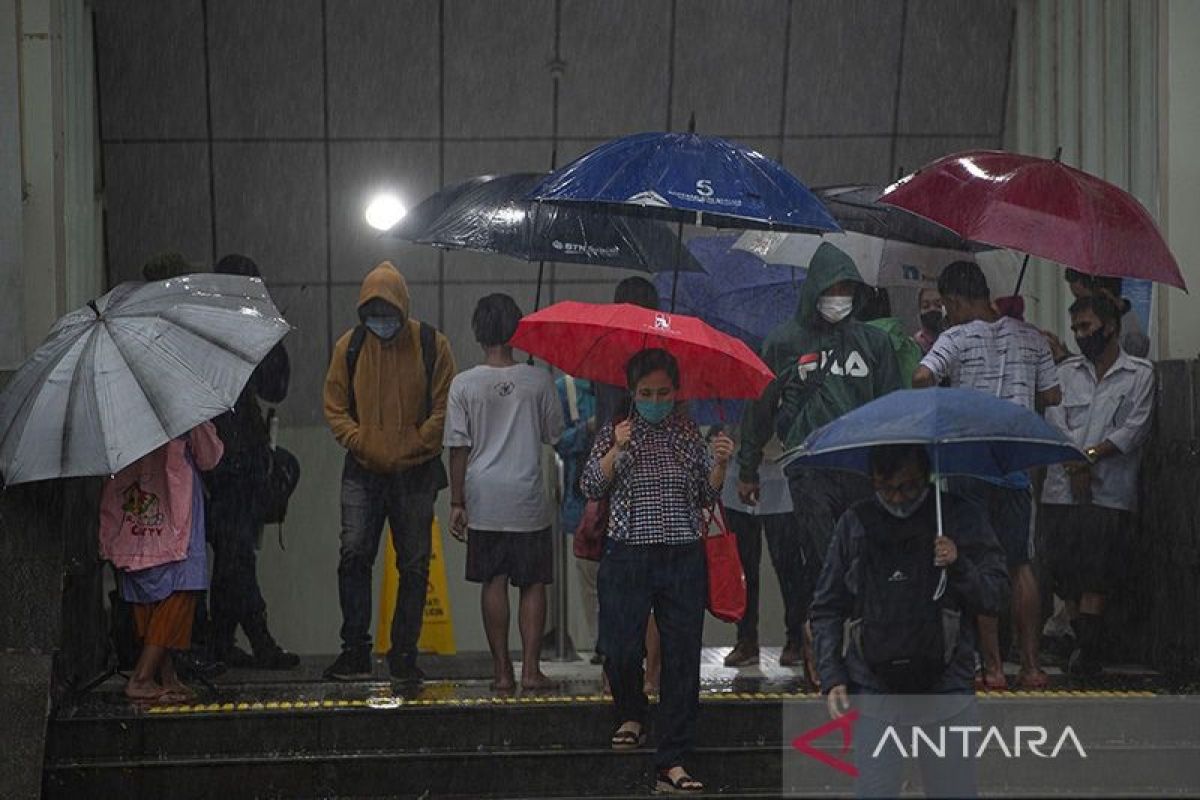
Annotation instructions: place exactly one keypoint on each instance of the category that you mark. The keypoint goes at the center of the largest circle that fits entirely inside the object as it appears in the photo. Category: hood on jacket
(385, 283)
(829, 265)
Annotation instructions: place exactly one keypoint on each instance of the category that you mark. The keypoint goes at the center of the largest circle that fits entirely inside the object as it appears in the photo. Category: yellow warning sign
(437, 630)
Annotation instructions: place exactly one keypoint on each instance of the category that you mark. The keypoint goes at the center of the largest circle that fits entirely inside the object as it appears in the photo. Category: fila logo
(855, 366)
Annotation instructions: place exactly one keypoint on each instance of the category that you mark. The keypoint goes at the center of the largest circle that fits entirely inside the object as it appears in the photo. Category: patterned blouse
(660, 484)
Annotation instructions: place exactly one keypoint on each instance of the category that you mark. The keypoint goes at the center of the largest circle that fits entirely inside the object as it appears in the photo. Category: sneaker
(351, 665)
(406, 673)
(275, 658)
(745, 654)
(792, 654)
(597, 658)
(196, 664)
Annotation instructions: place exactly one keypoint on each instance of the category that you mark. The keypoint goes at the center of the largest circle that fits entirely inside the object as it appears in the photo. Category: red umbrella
(595, 341)
(1042, 207)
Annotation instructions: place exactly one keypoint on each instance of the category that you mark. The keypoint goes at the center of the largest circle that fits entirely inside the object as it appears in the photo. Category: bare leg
(989, 643)
(531, 620)
(142, 684)
(1026, 608)
(494, 602)
(653, 656)
(170, 679)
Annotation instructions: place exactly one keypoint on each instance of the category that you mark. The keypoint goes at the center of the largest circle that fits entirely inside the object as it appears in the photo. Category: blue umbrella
(967, 432)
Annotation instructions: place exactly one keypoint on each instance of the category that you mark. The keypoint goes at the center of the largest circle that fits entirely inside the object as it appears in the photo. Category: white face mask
(835, 309)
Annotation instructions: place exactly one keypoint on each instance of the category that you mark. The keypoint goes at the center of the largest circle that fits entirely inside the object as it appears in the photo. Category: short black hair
(1095, 282)
(237, 264)
(964, 279)
(637, 291)
(495, 319)
(874, 303)
(647, 362)
(1101, 306)
(888, 459)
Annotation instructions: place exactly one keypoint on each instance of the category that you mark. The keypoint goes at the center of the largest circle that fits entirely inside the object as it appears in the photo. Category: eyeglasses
(907, 490)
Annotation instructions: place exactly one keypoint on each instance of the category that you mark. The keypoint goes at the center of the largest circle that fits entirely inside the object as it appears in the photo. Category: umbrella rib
(89, 350)
(150, 399)
(31, 396)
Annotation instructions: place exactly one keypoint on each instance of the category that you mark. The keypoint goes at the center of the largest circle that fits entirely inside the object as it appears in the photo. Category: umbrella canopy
(967, 432)
(490, 214)
(688, 178)
(737, 293)
(132, 370)
(596, 341)
(856, 207)
(1041, 207)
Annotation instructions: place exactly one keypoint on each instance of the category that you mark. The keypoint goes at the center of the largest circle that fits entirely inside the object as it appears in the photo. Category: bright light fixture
(384, 211)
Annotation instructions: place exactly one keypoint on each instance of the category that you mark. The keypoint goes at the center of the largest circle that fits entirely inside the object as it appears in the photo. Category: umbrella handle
(942, 580)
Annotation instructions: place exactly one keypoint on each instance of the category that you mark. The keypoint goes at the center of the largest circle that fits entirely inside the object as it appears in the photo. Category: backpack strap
(353, 351)
(428, 357)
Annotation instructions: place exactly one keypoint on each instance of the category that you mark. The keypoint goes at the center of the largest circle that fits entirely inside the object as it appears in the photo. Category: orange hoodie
(392, 433)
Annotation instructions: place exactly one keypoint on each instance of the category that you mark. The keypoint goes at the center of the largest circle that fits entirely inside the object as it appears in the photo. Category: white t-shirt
(505, 415)
(1007, 358)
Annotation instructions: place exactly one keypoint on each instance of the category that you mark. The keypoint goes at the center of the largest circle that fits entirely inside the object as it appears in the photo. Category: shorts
(1086, 548)
(167, 623)
(1010, 512)
(526, 558)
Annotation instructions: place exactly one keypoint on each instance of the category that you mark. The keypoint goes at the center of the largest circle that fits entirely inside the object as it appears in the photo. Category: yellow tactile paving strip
(388, 702)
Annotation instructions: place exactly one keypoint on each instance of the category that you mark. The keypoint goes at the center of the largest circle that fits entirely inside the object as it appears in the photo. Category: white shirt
(1007, 358)
(1118, 409)
(505, 415)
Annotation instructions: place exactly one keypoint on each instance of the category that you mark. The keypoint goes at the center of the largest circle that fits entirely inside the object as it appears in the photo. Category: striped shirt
(1007, 358)
(660, 485)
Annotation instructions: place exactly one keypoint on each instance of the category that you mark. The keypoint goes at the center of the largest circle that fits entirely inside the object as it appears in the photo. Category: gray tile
(572, 149)
(383, 68)
(574, 273)
(462, 265)
(615, 78)
(823, 162)
(496, 68)
(308, 346)
(155, 199)
(912, 153)
(955, 66)
(598, 292)
(729, 65)
(842, 75)
(150, 57)
(457, 322)
(490, 157)
(270, 201)
(265, 68)
(357, 172)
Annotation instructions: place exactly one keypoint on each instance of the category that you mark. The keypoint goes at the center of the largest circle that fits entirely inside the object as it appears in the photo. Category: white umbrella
(130, 371)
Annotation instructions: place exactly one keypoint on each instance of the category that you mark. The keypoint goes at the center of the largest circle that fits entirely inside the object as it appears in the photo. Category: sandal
(686, 784)
(625, 739)
(1033, 681)
(986, 684)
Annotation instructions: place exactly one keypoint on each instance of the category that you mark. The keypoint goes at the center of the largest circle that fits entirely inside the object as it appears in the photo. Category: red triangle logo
(845, 724)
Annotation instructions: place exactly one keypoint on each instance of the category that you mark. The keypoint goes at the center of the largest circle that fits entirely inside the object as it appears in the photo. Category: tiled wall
(262, 126)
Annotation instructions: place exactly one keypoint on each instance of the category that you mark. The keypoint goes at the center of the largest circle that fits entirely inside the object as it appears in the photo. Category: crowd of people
(394, 400)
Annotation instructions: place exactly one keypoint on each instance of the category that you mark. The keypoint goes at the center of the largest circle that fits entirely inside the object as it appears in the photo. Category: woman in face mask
(658, 474)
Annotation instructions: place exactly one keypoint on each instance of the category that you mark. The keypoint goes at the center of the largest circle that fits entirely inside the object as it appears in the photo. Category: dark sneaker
(792, 654)
(238, 658)
(1080, 666)
(745, 654)
(406, 673)
(351, 665)
(275, 658)
(196, 664)
(597, 658)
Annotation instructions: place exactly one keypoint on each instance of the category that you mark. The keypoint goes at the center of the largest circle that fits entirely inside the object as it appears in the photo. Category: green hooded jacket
(908, 352)
(822, 371)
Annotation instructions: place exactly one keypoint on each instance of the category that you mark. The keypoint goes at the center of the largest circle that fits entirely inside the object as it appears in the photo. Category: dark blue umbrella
(967, 432)
(490, 214)
(737, 293)
(685, 177)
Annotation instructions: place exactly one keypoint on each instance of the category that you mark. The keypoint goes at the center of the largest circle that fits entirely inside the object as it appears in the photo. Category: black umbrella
(489, 214)
(857, 208)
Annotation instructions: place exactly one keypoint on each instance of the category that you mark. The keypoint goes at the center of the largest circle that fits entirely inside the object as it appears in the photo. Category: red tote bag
(726, 580)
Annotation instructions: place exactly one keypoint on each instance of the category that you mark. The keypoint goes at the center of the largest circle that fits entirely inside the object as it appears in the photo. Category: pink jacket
(146, 508)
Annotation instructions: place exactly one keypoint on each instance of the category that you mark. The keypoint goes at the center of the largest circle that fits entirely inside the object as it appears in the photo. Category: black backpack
(903, 632)
(428, 338)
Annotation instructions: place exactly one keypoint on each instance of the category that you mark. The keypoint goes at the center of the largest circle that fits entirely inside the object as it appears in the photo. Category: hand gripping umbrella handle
(941, 587)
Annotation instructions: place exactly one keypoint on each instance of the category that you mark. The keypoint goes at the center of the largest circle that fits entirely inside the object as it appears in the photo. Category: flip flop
(625, 739)
(686, 784)
(1033, 681)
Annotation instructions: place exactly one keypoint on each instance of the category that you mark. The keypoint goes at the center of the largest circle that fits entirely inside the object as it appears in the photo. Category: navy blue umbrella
(967, 432)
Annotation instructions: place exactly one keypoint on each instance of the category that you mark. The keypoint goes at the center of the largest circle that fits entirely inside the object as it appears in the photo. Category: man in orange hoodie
(385, 400)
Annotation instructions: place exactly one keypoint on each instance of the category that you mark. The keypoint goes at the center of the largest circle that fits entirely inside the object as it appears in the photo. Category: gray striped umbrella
(125, 374)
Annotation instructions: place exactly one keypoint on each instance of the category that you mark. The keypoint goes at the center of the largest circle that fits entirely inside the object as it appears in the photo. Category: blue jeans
(405, 500)
(671, 580)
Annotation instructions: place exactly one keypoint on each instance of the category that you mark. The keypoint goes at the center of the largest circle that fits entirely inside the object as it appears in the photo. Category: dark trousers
(883, 775)
(673, 581)
(405, 500)
(234, 595)
(787, 557)
(819, 498)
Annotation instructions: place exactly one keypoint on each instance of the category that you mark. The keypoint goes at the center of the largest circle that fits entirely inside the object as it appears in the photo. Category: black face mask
(1093, 345)
(933, 321)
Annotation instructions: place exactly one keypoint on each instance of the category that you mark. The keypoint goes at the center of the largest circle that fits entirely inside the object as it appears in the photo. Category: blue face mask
(384, 327)
(655, 411)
